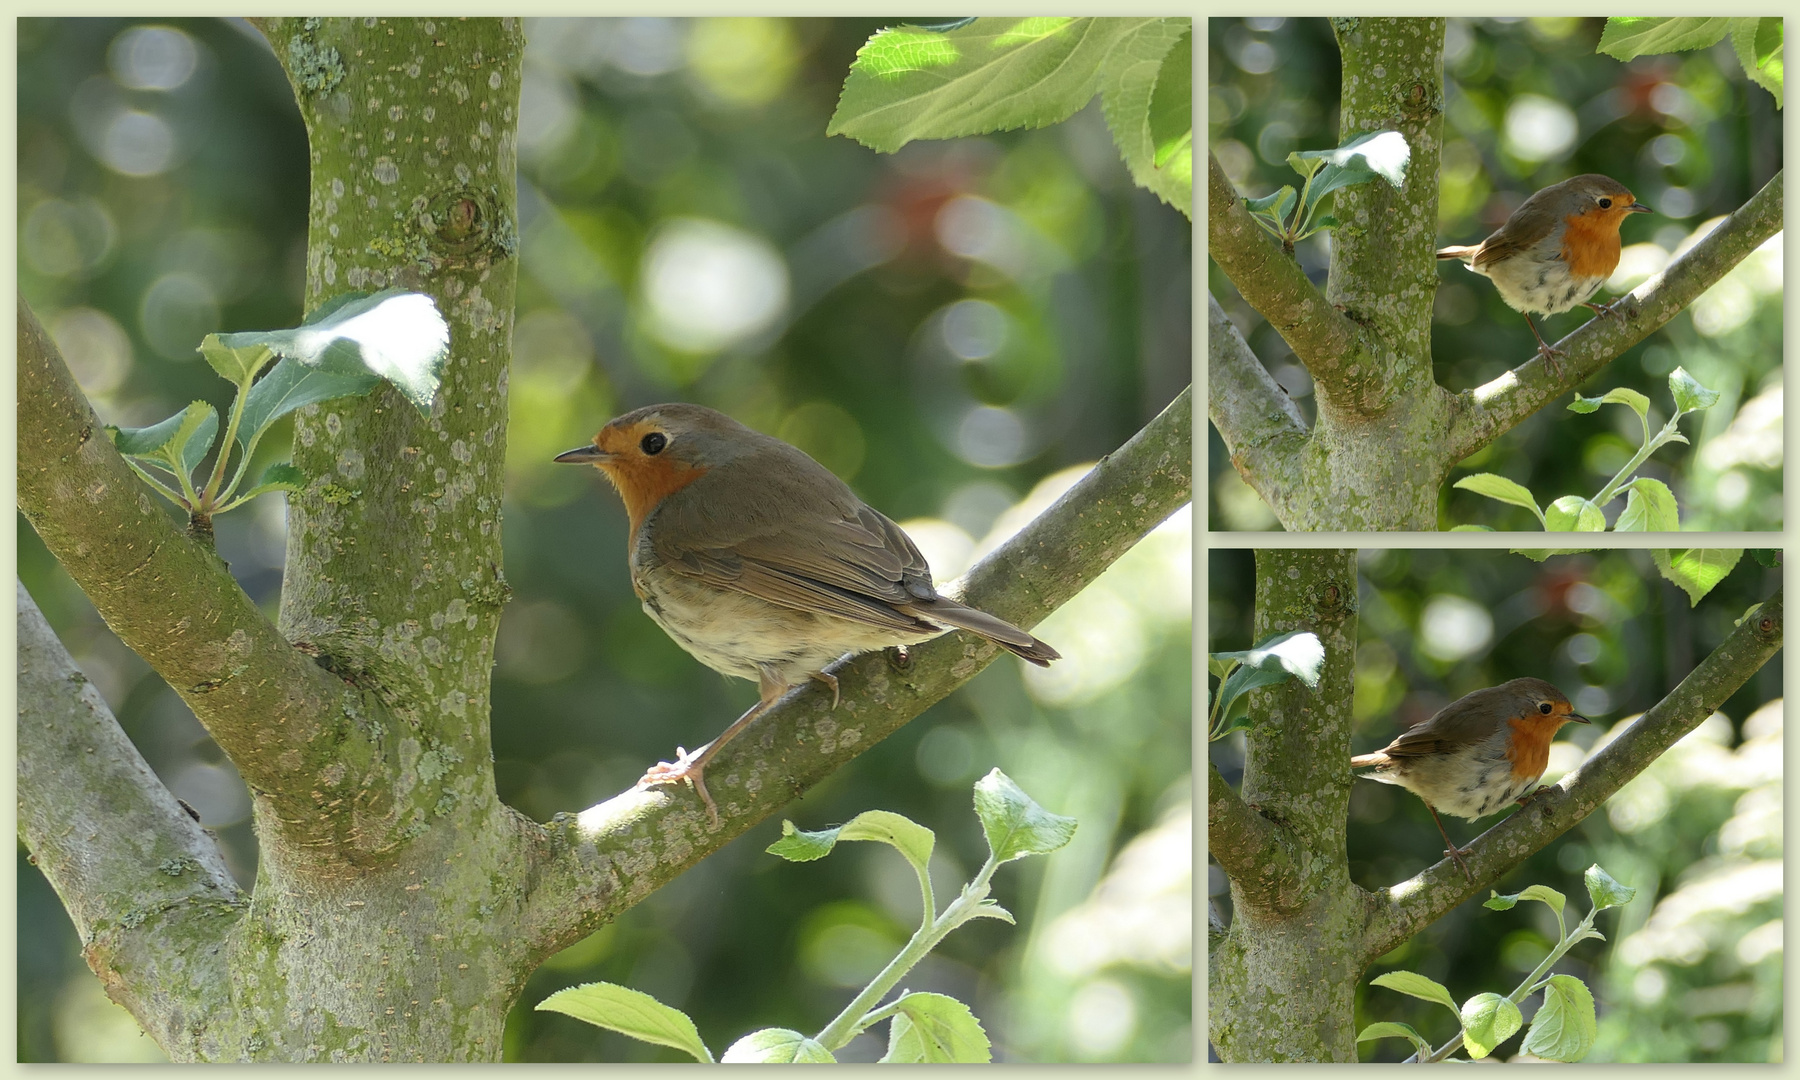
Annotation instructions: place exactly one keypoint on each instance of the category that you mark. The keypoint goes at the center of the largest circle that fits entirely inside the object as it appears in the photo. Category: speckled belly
(1545, 286)
(1473, 784)
(738, 634)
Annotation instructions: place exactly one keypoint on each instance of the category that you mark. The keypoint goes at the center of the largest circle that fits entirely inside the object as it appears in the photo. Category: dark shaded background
(947, 328)
(1528, 103)
(1692, 967)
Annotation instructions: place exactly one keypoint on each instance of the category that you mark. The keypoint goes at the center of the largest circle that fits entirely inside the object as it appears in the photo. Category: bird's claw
(686, 766)
(1456, 855)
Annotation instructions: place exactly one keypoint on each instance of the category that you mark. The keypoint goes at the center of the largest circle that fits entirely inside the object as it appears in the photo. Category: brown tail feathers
(999, 631)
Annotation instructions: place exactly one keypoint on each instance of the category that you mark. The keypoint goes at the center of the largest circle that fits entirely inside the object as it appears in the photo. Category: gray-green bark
(1282, 977)
(1387, 435)
(399, 906)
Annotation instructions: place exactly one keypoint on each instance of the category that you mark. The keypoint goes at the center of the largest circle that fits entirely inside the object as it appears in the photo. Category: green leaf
(1696, 570)
(1544, 893)
(396, 334)
(777, 1046)
(1618, 395)
(1563, 1029)
(1572, 513)
(1219, 666)
(178, 443)
(936, 1029)
(1275, 205)
(993, 74)
(906, 835)
(1770, 558)
(1146, 92)
(1015, 825)
(629, 1012)
(1540, 554)
(1759, 47)
(1628, 38)
(238, 366)
(1275, 659)
(1488, 1020)
(289, 385)
(1604, 891)
(988, 909)
(281, 476)
(1649, 507)
(1388, 1029)
(1376, 153)
(1471, 528)
(798, 845)
(1415, 985)
(1689, 395)
(1501, 489)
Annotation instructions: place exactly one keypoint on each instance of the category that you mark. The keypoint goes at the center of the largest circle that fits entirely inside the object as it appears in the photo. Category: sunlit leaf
(629, 1012)
(1015, 825)
(933, 1028)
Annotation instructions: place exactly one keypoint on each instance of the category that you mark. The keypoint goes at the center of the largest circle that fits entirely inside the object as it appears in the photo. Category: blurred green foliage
(1527, 102)
(1693, 972)
(951, 329)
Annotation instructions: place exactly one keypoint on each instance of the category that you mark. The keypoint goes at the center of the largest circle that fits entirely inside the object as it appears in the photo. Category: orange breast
(644, 482)
(1591, 243)
(1529, 751)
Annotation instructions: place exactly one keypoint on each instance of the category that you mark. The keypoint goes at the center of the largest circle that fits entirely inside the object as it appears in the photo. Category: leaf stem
(857, 1015)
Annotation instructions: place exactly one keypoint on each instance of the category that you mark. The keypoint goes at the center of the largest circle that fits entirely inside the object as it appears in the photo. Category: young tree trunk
(1387, 436)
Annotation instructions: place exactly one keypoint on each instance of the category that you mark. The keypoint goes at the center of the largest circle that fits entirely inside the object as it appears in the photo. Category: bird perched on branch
(1476, 754)
(1555, 250)
(762, 564)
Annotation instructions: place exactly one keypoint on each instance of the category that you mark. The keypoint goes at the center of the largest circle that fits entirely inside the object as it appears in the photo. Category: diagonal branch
(1273, 283)
(169, 598)
(1404, 909)
(1486, 412)
(1261, 425)
(147, 888)
(1254, 853)
(590, 868)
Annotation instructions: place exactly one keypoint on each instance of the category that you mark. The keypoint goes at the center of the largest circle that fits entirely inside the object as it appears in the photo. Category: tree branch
(1483, 414)
(1404, 909)
(1251, 850)
(1273, 283)
(592, 866)
(1261, 425)
(147, 888)
(170, 599)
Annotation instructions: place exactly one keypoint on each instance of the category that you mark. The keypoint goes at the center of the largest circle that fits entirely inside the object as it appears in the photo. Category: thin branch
(1486, 412)
(147, 888)
(1254, 415)
(1273, 283)
(1250, 848)
(170, 599)
(1404, 909)
(591, 867)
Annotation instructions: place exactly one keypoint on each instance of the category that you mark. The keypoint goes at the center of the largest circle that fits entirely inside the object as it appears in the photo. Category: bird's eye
(1605, 203)
(1544, 707)
(654, 442)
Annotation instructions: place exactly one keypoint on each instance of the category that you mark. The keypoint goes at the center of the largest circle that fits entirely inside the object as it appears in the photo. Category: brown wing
(1467, 719)
(827, 552)
(1522, 230)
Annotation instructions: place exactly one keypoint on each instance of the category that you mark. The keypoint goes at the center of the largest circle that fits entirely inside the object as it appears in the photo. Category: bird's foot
(1456, 854)
(1606, 310)
(1526, 798)
(831, 681)
(689, 766)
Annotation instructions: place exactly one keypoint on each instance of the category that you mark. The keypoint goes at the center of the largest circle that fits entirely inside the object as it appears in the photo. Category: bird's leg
(1453, 851)
(831, 681)
(1607, 309)
(1544, 350)
(691, 766)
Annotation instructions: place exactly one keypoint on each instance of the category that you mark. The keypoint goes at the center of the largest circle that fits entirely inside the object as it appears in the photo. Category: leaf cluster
(1358, 161)
(1563, 1028)
(923, 1027)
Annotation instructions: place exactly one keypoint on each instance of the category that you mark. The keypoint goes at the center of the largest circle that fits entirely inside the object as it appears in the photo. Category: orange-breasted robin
(1556, 249)
(1476, 754)
(762, 564)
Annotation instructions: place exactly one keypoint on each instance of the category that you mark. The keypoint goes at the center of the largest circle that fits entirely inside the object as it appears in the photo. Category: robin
(762, 564)
(1477, 754)
(1555, 250)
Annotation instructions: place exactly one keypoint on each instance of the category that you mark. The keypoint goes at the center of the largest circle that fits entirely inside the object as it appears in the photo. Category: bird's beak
(582, 455)
(1579, 719)
(1638, 208)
